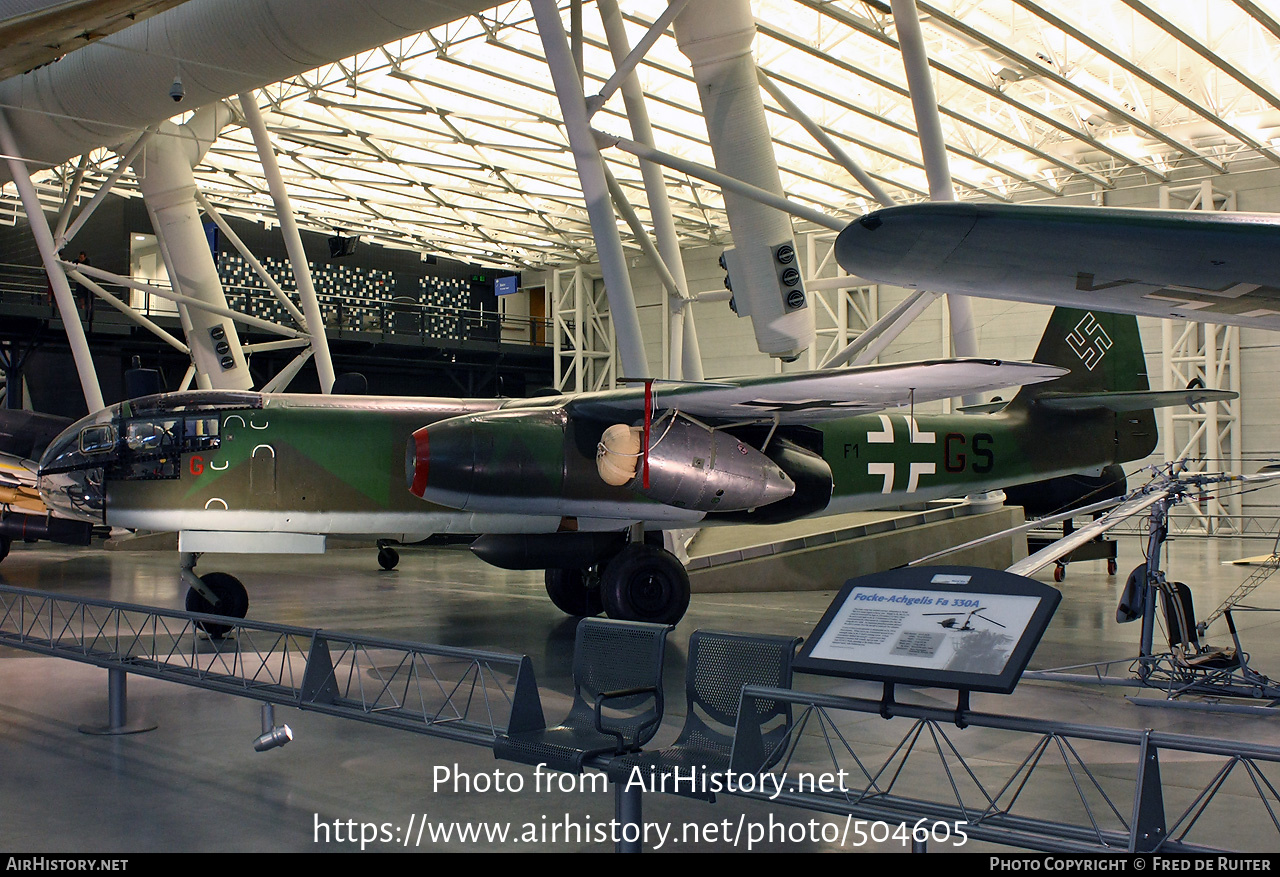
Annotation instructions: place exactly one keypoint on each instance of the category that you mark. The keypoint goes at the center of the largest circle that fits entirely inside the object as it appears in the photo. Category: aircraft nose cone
(417, 462)
(903, 245)
(778, 485)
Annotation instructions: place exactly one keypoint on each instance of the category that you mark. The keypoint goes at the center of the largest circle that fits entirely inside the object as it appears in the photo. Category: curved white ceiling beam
(99, 95)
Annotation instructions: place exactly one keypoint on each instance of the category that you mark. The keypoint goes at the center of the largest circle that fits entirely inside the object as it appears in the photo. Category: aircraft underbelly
(380, 524)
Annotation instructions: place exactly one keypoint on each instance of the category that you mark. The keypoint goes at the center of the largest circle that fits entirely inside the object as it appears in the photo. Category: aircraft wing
(810, 397)
(16, 471)
(1201, 265)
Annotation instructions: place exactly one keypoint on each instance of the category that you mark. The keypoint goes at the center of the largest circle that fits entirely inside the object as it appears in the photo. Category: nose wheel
(388, 557)
(232, 601)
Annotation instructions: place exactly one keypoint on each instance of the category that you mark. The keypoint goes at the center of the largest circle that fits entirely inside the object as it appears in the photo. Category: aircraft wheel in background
(645, 583)
(570, 591)
(233, 602)
(5, 542)
(388, 557)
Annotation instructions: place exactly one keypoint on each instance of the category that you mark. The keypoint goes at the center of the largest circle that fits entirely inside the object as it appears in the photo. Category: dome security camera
(177, 91)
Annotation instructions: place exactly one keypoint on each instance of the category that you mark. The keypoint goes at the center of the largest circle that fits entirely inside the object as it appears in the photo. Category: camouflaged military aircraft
(569, 484)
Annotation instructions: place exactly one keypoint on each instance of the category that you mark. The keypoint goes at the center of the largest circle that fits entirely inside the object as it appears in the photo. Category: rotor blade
(1067, 544)
(1021, 528)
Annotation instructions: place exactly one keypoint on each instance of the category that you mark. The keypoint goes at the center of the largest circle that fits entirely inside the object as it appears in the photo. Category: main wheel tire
(233, 602)
(645, 583)
(388, 557)
(5, 542)
(570, 592)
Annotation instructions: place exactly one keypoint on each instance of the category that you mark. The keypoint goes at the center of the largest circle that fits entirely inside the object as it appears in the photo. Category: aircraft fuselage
(279, 463)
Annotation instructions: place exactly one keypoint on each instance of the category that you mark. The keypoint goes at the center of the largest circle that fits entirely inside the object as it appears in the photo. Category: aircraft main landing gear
(645, 583)
(575, 591)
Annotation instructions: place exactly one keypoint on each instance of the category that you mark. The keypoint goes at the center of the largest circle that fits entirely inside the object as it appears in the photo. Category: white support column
(924, 101)
(583, 333)
(69, 199)
(590, 166)
(292, 241)
(684, 359)
(567, 328)
(164, 169)
(579, 329)
(1207, 438)
(104, 189)
(717, 36)
(552, 287)
(836, 322)
(57, 278)
(210, 211)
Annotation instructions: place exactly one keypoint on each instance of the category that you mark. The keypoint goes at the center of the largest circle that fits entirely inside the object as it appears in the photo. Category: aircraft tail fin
(1108, 369)
(1104, 353)
(1107, 382)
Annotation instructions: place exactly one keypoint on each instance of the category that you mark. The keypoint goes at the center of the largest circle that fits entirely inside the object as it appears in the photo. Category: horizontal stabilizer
(994, 407)
(1132, 400)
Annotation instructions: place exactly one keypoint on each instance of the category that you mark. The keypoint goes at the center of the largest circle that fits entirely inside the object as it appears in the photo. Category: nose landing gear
(214, 593)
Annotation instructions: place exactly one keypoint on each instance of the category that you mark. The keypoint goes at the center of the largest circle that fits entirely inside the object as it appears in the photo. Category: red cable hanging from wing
(648, 419)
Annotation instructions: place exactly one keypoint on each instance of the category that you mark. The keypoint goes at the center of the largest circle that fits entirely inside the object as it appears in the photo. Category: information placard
(947, 627)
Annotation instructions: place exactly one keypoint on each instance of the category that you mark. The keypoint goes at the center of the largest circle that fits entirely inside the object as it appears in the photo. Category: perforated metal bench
(720, 664)
(617, 698)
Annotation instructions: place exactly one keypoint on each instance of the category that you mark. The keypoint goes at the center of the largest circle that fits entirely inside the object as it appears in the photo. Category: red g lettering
(197, 464)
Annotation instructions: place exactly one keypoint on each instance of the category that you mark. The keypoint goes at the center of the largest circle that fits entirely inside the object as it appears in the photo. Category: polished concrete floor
(195, 783)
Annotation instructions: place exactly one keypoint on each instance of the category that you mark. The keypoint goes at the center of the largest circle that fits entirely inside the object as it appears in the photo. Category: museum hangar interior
(449, 212)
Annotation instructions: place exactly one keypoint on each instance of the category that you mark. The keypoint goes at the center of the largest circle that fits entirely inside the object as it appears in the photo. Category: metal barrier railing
(1056, 787)
(460, 694)
(1020, 782)
(27, 287)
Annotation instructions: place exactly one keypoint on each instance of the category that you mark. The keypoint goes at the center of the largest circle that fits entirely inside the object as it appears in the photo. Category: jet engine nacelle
(523, 462)
(490, 461)
(544, 462)
(693, 467)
